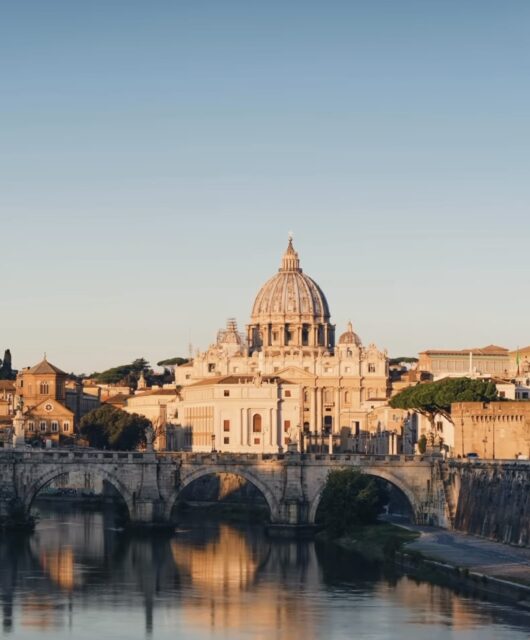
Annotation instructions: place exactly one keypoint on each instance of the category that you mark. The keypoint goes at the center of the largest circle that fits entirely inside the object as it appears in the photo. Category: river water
(78, 577)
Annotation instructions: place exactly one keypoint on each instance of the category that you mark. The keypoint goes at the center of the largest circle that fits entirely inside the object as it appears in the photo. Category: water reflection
(78, 576)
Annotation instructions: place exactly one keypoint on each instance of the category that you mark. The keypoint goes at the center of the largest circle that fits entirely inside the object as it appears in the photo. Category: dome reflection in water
(79, 577)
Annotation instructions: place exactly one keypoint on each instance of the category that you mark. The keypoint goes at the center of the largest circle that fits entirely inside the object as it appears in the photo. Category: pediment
(296, 373)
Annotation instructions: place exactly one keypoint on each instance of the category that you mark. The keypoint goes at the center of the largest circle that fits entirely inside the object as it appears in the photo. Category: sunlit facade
(287, 374)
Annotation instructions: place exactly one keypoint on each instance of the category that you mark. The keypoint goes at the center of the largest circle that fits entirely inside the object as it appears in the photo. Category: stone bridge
(150, 483)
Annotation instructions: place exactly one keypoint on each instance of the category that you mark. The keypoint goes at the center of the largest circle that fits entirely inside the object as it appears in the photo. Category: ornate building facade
(287, 374)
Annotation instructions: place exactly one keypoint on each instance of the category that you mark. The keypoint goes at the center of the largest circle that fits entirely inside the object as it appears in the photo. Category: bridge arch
(382, 474)
(52, 474)
(266, 491)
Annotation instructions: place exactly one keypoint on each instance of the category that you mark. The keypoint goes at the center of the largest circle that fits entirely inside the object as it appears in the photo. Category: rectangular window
(227, 441)
(66, 426)
(226, 425)
(286, 425)
(371, 367)
(42, 425)
(31, 426)
(256, 441)
(226, 393)
(287, 394)
(211, 367)
(55, 426)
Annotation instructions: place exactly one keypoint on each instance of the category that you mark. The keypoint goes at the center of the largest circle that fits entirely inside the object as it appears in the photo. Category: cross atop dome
(290, 260)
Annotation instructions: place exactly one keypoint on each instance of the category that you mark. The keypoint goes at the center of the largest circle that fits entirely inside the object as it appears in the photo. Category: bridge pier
(293, 512)
(148, 509)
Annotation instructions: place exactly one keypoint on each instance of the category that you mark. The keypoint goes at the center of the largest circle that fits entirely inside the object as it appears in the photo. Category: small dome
(350, 337)
(290, 292)
(230, 335)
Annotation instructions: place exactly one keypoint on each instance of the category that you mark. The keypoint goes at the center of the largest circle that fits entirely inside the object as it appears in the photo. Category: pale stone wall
(499, 430)
(240, 416)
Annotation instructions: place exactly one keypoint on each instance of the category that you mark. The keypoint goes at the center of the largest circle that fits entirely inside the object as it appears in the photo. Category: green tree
(435, 398)
(349, 499)
(6, 369)
(109, 428)
(172, 361)
(126, 374)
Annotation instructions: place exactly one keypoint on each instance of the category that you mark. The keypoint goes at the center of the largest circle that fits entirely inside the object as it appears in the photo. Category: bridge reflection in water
(78, 577)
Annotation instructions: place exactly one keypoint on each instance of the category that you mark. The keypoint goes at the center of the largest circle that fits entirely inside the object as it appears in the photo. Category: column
(336, 418)
(246, 435)
(318, 426)
(313, 409)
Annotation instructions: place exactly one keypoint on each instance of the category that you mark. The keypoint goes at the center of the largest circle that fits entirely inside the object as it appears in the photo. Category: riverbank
(467, 563)
(483, 566)
(380, 541)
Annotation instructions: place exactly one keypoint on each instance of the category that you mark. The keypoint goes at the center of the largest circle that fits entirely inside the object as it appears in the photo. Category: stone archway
(271, 500)
(376, 473)
(45, 479)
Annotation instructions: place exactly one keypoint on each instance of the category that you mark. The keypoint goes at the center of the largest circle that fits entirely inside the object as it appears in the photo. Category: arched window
(44, 389)
(256, 423)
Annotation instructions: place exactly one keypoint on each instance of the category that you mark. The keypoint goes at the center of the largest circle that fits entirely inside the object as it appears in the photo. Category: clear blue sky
(154, 155)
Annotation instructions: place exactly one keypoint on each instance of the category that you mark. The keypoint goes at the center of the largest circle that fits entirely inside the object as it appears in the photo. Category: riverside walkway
(479, 555)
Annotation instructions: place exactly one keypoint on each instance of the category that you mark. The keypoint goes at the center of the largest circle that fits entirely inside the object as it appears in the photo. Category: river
(79, 577)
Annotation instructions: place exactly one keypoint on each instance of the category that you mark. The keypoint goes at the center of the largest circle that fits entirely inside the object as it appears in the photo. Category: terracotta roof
(520, 350)
(155, 392)
(45, 367)
(119, 398)
(7, 384)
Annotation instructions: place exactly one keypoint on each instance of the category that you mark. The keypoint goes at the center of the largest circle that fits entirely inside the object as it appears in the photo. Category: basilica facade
(285, 376)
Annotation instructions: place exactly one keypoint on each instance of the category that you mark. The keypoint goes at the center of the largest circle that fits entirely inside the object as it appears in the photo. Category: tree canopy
(129, 374)
(407, 359)
(110, 428)
(6, 370)
(435, 398)
(124, 373)
(349, 499)
(172, 361)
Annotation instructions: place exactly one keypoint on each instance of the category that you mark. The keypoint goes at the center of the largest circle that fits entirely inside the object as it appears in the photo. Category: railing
(99, 456)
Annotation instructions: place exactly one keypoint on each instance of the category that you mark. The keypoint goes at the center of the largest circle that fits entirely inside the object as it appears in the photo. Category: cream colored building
(491, 360)
(289, 346)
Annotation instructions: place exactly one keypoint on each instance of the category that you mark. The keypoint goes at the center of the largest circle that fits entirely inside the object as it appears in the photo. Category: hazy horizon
(154, 158)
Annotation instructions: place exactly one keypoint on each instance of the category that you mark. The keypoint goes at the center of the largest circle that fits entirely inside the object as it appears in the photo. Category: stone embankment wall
(494, 502)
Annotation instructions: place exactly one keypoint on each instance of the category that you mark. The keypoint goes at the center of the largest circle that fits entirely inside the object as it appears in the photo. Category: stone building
(157, 404)
(496, 430)
(520, 363)
(53, 404)
(491, 360)
(289, 346)
(7, 398)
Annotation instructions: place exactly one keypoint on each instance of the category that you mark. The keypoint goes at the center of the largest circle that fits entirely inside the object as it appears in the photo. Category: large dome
(290, 293)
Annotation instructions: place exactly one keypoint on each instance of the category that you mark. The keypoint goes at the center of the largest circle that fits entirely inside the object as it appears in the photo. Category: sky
(155, 155)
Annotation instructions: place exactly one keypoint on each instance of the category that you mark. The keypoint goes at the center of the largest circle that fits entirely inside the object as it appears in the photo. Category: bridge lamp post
(213, 442)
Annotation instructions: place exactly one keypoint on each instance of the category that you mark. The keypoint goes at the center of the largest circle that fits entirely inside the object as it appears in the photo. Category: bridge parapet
(150, 483)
